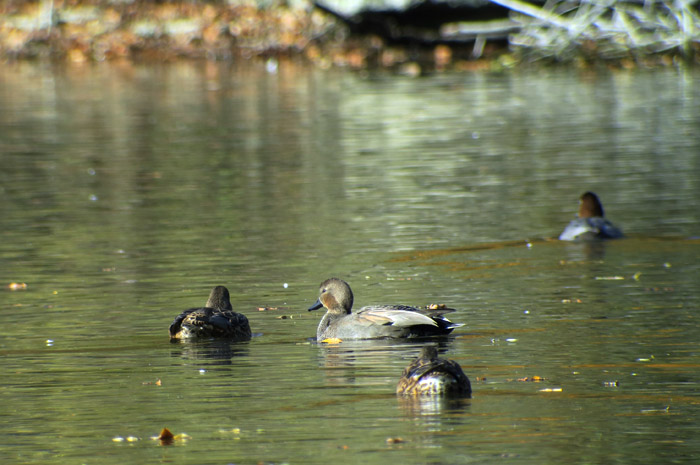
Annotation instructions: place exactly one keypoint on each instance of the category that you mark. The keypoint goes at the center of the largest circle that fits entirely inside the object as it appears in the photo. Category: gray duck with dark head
(590, 223)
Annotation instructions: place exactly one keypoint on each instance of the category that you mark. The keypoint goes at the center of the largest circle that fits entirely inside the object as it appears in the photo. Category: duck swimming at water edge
(375, 321)
(215, 320)
(591, 223)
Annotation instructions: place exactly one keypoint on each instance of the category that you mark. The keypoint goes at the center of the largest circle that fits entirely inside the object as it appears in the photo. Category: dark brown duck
(429, 375)
(215, 320)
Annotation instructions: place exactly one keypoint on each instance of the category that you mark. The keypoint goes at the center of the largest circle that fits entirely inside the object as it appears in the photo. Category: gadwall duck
(429, 375)
(215, 319)
(591, 222)
(376, 321)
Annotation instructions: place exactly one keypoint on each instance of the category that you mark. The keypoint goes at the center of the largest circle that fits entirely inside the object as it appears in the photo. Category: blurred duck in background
(591, 223)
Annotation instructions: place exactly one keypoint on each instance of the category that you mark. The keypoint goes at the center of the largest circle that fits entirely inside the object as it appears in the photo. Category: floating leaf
(16, 286)
(535, 379)
(232, 430)
(332, 340)
(165, 437)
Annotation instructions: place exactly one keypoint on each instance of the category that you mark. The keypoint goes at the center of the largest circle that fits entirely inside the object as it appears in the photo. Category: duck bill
(316, 306)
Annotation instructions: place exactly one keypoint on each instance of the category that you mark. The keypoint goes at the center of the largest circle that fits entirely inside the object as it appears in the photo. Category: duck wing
(210, 322)
(394, 315)
(423, 367)
(577, 229)
(589, 229)
(176, 325)
(604, 228)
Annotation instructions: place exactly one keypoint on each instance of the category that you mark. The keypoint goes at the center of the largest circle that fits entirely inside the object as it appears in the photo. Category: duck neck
(326, 322)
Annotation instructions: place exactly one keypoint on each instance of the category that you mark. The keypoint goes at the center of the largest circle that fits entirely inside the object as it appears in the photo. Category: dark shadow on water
(573, 251)
(429, 254)
(351, 353)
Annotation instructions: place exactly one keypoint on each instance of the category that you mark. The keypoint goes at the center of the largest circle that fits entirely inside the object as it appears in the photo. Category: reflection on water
(429, 409)
(350, 361)
(127, 191)
(211, 352)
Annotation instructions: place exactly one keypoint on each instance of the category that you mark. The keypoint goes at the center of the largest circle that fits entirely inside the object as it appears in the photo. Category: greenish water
(127, 192)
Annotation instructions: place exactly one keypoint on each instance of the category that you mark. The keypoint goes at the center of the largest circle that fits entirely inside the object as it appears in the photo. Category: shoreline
(89, 30)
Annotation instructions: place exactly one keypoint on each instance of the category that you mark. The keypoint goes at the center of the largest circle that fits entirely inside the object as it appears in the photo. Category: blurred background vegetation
(355, 33)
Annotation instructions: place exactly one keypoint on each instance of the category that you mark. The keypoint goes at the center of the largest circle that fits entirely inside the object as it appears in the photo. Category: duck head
(590, 206)
(219, 298)
(335, 295)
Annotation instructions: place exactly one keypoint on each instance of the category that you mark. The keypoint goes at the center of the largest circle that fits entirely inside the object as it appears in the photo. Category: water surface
(128, 191)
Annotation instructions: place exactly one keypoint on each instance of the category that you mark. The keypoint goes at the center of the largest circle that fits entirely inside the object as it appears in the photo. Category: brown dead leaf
(534, 379)
(166, 437)
(537, 379)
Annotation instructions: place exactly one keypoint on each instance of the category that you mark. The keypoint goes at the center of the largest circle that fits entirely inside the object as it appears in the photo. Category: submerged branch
(535, 12)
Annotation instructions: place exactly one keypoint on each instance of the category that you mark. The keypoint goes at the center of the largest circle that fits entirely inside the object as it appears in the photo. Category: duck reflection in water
(349, 362)
(376, 321)
(211, 352)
